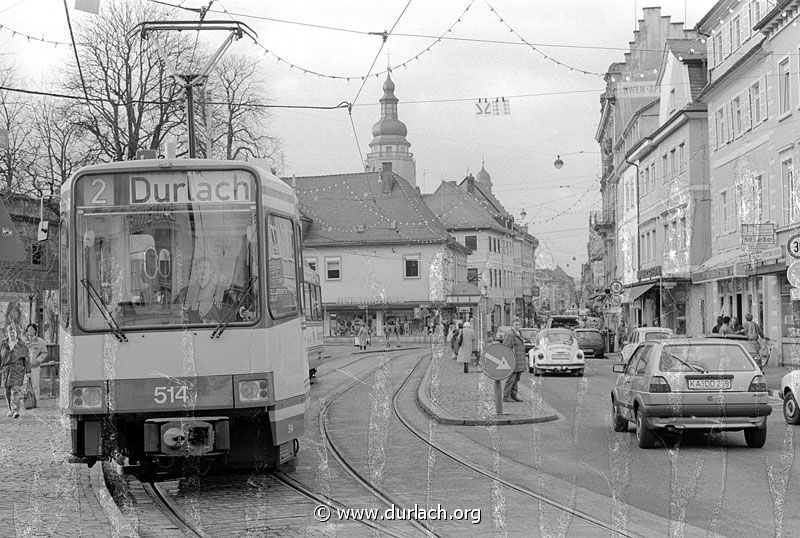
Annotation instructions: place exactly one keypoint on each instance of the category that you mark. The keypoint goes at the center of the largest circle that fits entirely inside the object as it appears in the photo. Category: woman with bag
(37, 349)
(466, 345)
(13, 356)
(455, 340)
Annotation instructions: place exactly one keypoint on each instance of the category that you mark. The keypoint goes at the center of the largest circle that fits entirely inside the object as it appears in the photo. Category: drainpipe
(638, 218)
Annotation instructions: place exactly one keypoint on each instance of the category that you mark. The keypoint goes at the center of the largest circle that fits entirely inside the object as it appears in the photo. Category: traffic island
(450, 396)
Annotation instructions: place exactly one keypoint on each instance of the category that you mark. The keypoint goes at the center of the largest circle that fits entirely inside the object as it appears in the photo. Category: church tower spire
(389, 143)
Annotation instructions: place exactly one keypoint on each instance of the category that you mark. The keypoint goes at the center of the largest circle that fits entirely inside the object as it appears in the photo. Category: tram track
(494, 476)
(170, 507)
(380, 493)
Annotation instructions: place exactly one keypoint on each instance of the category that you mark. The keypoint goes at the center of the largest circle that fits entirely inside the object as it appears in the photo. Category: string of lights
(307, 71)
(16, 33)
(543, 55)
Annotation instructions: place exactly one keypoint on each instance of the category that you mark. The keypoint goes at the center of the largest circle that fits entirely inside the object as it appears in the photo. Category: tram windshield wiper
(226, 319)
(119, 334)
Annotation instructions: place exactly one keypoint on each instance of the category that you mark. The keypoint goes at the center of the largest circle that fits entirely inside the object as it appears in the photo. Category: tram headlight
(253, 390)
(87, 397)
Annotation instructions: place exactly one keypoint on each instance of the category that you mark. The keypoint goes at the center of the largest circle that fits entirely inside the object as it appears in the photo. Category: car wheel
(645, 437)
(531, 369)
(756, 437)
(620, 422)
(791, 412)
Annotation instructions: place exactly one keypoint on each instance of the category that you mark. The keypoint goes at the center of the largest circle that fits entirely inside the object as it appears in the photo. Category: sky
(489, 49)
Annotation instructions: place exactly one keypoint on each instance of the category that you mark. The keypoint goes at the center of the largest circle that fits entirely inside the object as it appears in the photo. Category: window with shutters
(784, 96)
(736, 113)
(791, 196)
(672, 167)
(682, 157)
(721, 129)
(726, 40)
(718, 50)
(664, 167)
(736, 33)
(755, 103)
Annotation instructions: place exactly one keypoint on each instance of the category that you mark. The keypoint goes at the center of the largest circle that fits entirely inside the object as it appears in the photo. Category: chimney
(386, 177)
(470, 184)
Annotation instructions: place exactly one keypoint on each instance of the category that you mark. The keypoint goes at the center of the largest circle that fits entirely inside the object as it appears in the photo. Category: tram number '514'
(162, 395)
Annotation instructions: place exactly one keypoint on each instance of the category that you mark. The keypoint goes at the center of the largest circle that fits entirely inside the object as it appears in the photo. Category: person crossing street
(514, 341)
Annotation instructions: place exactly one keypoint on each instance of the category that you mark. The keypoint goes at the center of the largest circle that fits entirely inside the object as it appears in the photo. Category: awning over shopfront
(634, 292)
(718, 266)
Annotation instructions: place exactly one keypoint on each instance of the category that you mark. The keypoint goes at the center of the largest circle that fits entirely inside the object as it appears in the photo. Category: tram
(181, 330)
(312, 317)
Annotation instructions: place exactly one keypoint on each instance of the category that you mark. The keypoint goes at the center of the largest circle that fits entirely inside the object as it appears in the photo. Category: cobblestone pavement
(40, 493)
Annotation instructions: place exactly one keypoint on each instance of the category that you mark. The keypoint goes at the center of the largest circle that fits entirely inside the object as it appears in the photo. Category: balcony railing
(601, 219)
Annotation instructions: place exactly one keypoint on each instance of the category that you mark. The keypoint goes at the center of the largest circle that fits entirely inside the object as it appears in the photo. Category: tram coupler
(196, 436)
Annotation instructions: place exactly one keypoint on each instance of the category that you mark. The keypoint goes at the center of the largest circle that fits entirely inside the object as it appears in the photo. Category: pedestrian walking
(361, 339)
(514, 341)
(455, 342)
(716, 328)
(37, 350)
(466, 345)
(753, 332)
(13, 352)
(726, 325)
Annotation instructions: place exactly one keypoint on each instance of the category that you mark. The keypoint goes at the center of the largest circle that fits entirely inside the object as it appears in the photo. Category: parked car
(529, 336)
(591, 342)
(690, 384)
(790, 392)
(644, 334)
(501, 332)
(556, 350)
(566, 321)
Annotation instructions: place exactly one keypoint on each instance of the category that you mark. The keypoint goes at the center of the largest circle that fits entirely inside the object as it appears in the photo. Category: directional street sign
(497, 361)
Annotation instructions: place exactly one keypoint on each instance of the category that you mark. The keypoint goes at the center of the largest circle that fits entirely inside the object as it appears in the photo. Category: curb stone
(443, 416)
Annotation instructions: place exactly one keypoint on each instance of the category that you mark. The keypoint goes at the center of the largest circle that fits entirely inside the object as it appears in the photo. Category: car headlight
(87, 397)
(580, 354)
(253, 389)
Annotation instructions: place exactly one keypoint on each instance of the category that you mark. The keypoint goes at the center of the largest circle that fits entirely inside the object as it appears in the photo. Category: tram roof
(267, 177)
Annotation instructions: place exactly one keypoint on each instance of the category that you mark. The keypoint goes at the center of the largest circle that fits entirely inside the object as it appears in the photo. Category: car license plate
(560, 356)
(709, 384)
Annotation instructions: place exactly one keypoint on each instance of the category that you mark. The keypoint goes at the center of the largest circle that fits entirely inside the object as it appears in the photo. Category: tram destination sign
(166, 187)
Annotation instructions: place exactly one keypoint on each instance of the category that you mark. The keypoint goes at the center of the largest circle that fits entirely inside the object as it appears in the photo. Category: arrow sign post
(496, 361)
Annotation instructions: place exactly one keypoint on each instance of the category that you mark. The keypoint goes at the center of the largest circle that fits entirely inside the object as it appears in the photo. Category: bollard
(498, 397)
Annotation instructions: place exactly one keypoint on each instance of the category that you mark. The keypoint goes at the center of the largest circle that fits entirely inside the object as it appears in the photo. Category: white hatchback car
(556, 351)
(790, 392)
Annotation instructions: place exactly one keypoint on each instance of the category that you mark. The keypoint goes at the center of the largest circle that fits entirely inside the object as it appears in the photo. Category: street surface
(360, 456)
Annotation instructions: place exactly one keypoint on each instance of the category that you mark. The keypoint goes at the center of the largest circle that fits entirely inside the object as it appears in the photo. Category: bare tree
(237, 117)
(62, 146)
(133, 103)
(16, 161)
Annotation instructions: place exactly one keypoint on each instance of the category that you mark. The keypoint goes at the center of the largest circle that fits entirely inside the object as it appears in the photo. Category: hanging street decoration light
(558, 163)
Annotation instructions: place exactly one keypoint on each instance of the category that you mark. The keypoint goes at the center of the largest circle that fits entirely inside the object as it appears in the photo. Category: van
(565, 321)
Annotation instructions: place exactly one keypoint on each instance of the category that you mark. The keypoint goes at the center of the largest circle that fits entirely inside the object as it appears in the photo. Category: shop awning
(722, 265)
(634, 292)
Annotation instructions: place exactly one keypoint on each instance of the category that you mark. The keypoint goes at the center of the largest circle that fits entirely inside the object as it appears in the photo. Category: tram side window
(282, 267)
(307, 308)
(63, 277)
(316, 302)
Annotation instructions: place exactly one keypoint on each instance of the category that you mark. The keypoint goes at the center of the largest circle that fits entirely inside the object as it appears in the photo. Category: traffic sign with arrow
(497, 361)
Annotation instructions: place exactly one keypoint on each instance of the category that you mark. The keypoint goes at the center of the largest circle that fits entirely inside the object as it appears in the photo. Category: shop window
(411, 266)
(333, 269)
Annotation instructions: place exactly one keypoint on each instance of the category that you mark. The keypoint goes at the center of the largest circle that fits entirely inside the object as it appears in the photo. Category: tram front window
(165, 264)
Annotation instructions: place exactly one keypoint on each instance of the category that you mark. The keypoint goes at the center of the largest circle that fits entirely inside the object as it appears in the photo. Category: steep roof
(485, 198)
(352, 208)
(457, 210)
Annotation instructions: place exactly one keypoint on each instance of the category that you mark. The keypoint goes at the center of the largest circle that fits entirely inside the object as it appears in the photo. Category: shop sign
(368, 300)
(758, 234)
(652, 272)
(730, 271)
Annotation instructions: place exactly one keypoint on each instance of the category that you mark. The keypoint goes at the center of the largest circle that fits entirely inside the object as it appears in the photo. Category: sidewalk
(450, 396)
(40, 493)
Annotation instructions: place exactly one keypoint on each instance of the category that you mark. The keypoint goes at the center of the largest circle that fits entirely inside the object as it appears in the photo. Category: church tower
(389, 143)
